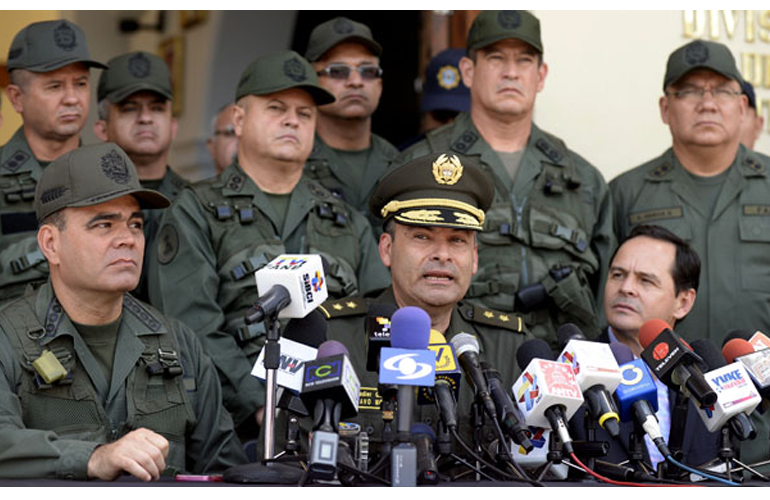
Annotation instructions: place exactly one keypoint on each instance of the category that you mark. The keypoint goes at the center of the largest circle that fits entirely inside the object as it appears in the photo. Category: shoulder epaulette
(350, 306)
(490, 317)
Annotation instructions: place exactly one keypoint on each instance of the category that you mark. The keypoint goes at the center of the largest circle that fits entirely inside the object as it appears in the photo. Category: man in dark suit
(653, 274)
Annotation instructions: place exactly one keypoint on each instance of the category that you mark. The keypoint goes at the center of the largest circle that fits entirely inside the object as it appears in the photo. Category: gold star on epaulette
(504, 318)
(351, 305)
(337, 307)
(489, 314)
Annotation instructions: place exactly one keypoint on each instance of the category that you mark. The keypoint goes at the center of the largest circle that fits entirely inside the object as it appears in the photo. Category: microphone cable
(700, 472)
(492, 467)
(503, 444)
(624, 483)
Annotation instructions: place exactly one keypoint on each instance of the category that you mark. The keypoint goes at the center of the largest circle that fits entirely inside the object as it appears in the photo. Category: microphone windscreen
(621, 352)
(650, 330)
(736, 348)
(533, 349)
(567, 332)
(436, 337)
(464, 342)
(707, 349)
(331, 348)
(421, 428)
(310, 330)
(409, 328)
(736, 334)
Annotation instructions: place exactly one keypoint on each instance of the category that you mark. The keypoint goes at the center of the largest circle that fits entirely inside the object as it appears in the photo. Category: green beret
(441, 189)
(491, 26)
(281, 71)
(701, 54)
(340, 29)
(132, 72)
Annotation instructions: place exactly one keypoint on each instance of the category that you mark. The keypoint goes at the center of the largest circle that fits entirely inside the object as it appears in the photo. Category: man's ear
(685, 301)
(385, 246)
(48, 237)
(100, 129)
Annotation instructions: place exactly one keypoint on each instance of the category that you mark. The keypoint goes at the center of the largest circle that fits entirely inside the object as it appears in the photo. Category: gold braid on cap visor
(396, 206)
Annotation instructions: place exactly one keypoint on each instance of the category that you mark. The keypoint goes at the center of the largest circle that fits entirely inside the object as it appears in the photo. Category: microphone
(423, 438)
(467, 349)
(377, 333)
(547, 392)
(637, 395)
(289, 286)
(299, 343)
(673, 361)
(597, 373)
(507, 412)
(756, 362)
(737, 396)
(331, 389)
(447, 384)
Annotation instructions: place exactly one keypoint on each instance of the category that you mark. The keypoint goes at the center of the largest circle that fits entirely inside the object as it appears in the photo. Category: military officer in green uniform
(70, 406)
(347, 158)
(433, 209)
(134, 103)
(218, 232)
(548, 235)
(50, 88)
(712, 192)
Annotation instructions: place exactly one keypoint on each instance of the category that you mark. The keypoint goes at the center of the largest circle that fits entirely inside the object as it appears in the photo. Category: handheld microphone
(299, 343)
(756, 362)
(447, 384)
(508, 413)
(289, 286)
(408, 363)
(423, 438)
(467, 349)
(737, 396)
(637, 395)
(547, 392)
(377, 333)
(331, 390)
(673, 361)
(597, 373)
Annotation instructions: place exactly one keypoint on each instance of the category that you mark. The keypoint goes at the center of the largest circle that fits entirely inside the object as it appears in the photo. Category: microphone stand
(554, 456)
(727, 456)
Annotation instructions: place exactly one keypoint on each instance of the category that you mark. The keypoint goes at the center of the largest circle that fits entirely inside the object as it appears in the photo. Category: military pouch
(49, 368)
(534, 297)
(572, 297)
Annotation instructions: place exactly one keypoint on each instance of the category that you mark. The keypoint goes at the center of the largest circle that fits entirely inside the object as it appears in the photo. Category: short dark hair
(56, 219)
(686, 271)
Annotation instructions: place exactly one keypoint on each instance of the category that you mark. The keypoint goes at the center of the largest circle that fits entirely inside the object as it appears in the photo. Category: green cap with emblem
(279, 71)
(49, 45)
(441, 189)
(340, 29)
(701, 54)
(90, 175)
(132, 72)
(491, 26)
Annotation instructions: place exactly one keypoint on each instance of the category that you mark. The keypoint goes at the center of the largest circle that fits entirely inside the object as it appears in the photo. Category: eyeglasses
(227, 132)
(696, 94)
(342, 71)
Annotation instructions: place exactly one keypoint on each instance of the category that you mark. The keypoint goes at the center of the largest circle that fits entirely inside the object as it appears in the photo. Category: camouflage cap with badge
(90, 175)
(49, 45)
(340, 29)
(279, 71)
(131, 73)
(444, 190)
(701, 54)
(491, 26)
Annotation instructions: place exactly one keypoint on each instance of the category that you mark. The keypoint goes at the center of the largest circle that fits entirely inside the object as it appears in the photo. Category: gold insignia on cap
(447, 170)
(466, 219)
(423, 215)
(448, 77)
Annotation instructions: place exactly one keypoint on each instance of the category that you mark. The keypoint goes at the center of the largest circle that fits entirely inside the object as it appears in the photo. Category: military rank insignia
(447, 170)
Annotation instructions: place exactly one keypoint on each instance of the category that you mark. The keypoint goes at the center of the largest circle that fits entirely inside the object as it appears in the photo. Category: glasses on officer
(340, 71)
(696, 94)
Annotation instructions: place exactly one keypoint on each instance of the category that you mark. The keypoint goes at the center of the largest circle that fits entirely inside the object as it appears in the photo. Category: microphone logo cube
(544, 384)
(407, 367)
(636, 384)
(302, 276)
(592, 363)
(735, 393)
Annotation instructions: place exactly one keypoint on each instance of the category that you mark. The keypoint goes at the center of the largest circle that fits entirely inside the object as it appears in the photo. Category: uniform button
(428, 420)
(370, 430)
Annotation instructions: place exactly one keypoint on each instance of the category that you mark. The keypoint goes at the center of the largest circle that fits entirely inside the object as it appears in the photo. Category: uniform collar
(17, 157)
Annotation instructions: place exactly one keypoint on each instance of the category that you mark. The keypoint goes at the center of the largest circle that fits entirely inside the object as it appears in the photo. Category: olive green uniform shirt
(37, 444)
(325, 166)
(213, 238)
(556, 214)
(499, 334)
(733, 242)
(21, 262)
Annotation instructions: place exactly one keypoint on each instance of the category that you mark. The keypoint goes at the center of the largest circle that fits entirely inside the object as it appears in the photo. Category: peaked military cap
(90, 175)
(49, 45)
(132, 72)
(491, 26)
(281, 71)
(340, 29)
(441, 189)
(701, 54)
